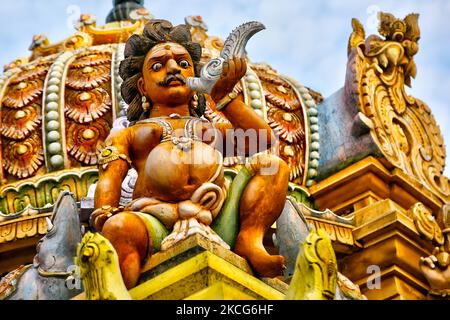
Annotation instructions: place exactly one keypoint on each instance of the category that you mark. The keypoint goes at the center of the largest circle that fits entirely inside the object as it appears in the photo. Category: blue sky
(304, 39)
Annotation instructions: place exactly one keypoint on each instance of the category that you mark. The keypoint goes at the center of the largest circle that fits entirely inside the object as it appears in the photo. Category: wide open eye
(157, 66)
(184, 64)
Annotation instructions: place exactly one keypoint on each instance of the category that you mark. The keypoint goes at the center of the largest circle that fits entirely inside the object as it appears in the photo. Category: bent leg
(260, 206)
(128, 235)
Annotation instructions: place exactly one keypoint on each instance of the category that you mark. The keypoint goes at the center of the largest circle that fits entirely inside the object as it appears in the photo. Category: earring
(194, 101)
(145, 104)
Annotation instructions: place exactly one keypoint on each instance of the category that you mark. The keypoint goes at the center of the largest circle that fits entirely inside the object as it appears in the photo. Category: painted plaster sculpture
(180, 187)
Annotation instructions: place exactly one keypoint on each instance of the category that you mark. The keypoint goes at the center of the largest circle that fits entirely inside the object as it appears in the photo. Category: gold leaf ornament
(32, 72)
(86, 106)
(19, 124)
(83, 140)
(426, 223)
(287, 125)
(23, 158)
(23, 93)
(88, 77)
(91, 59)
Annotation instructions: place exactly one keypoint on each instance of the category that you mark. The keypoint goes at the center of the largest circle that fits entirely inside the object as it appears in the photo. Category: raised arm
(256, 135)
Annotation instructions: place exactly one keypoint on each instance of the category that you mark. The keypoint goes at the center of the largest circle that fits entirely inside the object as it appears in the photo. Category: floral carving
(23, 158)
(85, 106)
(88, 77)
(23, 93)
(19, 124)
(91, 59)
(83, 140)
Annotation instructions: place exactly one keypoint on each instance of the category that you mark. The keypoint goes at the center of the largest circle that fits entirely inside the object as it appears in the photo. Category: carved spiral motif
(91, 59)
(83, 140)
(23, 158)
(32, 72)
(85, 106)
(23, 93)
(426, 223)
(288, 126)
(88, 77)
(19, 124)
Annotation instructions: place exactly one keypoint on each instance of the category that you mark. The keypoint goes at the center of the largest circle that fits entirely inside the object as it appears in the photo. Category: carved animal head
(397, 47)
(57, 249)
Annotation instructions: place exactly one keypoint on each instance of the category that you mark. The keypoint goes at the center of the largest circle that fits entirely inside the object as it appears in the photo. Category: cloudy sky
(304, 39)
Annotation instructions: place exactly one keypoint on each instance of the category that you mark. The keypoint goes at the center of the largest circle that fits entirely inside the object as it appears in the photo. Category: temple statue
(180, 171)
(141, 160)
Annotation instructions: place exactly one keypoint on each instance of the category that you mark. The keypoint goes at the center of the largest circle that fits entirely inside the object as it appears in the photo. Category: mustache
(171, 77)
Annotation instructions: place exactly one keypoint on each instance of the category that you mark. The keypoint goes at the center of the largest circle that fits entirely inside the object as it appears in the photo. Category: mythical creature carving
(401, 125)
(53, 274)
(316, 269)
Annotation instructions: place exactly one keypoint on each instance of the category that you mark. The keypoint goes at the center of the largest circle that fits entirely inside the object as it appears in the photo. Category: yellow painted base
(220, 291)
(201, 275)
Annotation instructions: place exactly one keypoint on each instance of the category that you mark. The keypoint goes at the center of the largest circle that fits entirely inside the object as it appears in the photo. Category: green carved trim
(301, 195)
(45, 190)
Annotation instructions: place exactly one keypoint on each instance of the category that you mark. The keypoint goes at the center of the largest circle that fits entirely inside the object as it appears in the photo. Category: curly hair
(155, 32)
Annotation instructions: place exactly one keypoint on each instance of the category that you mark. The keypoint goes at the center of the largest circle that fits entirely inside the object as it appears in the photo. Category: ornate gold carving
(99, 269)
(83, 140)
(31, 72)
(19, 124)
(23, 227)
(293, 155)
(288, 126)
(23, 93)
(23, 158)
(15, 64)
(41, 47)
(277, 91)
(426, 224)
(315, 270)
(77, 41)
(402, 126)
(337, 232)
(91, 59)
(85, 106)
(87, 78)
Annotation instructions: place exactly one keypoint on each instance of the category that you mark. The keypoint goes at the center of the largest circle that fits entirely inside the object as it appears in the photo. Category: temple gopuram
(358, 209)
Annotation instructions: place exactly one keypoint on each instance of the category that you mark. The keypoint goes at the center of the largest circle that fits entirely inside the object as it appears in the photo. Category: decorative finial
(123, 8)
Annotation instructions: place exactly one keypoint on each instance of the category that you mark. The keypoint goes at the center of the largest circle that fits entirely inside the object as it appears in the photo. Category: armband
(110, 154)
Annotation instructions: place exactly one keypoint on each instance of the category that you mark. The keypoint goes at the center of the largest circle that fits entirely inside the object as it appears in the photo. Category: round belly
(173, 173)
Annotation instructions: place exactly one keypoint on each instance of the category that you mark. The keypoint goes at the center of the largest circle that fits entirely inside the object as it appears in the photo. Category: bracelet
(226, 100)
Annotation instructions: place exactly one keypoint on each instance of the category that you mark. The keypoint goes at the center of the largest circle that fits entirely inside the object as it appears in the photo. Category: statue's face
(166, 69)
